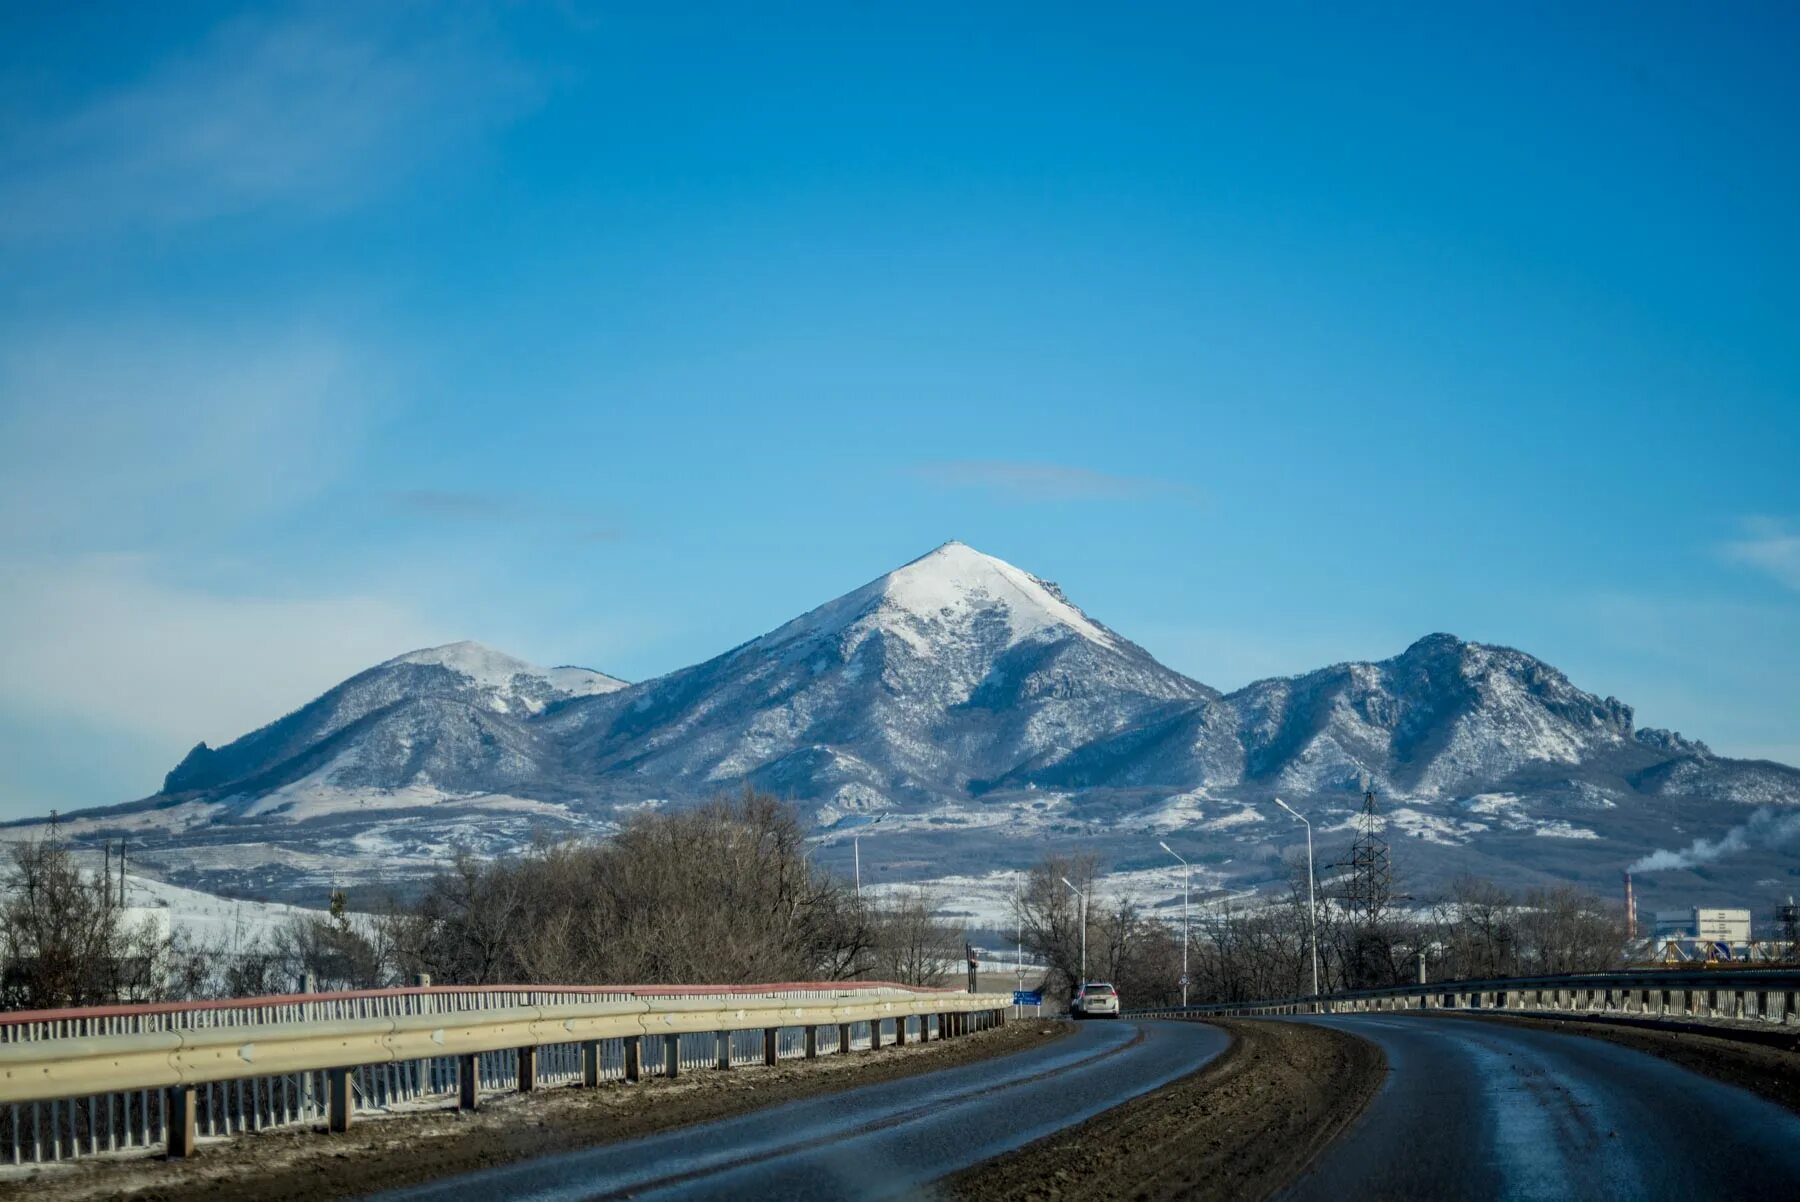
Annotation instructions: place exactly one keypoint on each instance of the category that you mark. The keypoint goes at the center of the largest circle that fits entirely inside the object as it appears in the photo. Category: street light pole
(1019, 914)
(1083, 897)
(856, 849)
(1312, 906)
(1187, 873)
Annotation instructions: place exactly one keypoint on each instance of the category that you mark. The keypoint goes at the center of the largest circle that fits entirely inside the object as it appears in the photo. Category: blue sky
(1277, 339)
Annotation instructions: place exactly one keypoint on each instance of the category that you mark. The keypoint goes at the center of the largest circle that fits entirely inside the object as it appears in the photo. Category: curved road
(1476, 1109)
(872, 1142)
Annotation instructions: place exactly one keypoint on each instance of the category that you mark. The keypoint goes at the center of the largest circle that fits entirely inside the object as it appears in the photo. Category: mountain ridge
(969, 696)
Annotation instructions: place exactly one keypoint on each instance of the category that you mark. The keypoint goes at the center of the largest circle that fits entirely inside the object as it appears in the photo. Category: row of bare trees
(724, 893)
(718, 893)
(721, 894)
(1239, 952)
(1138, 954)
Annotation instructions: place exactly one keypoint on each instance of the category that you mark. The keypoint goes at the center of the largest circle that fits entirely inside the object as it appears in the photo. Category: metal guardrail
(1767, 995)
(76, 1084)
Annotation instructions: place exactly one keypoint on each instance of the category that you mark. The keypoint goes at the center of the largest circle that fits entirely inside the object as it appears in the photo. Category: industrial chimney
(1630, 910)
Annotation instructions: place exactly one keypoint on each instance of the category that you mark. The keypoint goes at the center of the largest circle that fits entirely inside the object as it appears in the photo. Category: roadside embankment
(302, 1164)
(1238, 1129)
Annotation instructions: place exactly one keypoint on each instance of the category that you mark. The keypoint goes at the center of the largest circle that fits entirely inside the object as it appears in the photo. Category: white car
(1096, 999)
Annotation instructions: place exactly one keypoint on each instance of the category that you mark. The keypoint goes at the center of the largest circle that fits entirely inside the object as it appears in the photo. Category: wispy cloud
(472, 507)
(116, 642)
(1771, 546)
(1023, 480)
(117, 437)
(452, 505)
(312, 110)
(137, 464)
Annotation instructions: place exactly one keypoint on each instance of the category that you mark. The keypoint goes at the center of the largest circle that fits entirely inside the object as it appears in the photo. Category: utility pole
(1186, 875)
(1312, 905)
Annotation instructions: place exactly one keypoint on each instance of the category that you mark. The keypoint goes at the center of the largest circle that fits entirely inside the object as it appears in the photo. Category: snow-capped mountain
(986, 714)
(933, 679)
(452, 718)
(1442, 716)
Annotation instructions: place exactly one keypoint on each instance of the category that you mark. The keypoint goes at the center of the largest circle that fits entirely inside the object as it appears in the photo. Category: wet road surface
(873, 1142)
(1487, 1110)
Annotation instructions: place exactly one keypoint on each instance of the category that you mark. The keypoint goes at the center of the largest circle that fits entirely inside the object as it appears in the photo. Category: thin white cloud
(311, 110)
(129, 458)
(121, 438)
(102, 637)
(1023, 480)
(1769, 545)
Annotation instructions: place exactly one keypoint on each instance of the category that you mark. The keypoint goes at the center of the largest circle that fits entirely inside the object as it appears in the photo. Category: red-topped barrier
(81, 1013)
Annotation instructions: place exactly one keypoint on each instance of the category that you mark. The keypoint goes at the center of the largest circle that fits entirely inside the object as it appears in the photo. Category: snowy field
(985, 903)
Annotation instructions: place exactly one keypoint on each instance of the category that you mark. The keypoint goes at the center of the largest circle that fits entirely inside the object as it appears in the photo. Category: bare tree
(912, 945)
(720, 893)
(1048, 915)
(66, 939)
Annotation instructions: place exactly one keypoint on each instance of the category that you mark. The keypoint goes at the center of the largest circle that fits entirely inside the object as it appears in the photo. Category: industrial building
(1704, 924)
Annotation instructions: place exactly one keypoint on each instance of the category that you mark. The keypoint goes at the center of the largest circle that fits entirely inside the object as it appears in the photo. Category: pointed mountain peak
(956, 580)
(472, 659)
(1435, 644)
(949, 588)
(957, 575)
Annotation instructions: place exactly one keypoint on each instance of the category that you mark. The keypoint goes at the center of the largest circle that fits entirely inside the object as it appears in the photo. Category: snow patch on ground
(317, 796)
(1493, 804)
(985, 902)
(172, 819)
(1415, 823)
(1178, 812)
(1556, 828)
(201, 919)
(1244, 815)
(210, 920)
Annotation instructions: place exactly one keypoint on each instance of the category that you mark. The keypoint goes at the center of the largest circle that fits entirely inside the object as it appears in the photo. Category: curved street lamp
(1186, 873)
(1083, 897)
(1312, 907)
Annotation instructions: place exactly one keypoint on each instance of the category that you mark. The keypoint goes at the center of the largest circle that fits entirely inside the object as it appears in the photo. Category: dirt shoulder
(385, 1152)
(1772, 1072)
(1242, 1127)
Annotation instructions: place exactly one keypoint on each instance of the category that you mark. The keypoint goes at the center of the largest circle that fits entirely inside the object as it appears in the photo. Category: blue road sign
(1028, 997)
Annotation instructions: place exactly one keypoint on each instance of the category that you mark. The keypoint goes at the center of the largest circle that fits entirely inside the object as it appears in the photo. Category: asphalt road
(872, 1142)
(1489, 1110)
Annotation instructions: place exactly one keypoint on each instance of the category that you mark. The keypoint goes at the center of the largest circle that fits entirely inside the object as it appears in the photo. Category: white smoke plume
(1767, 828)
